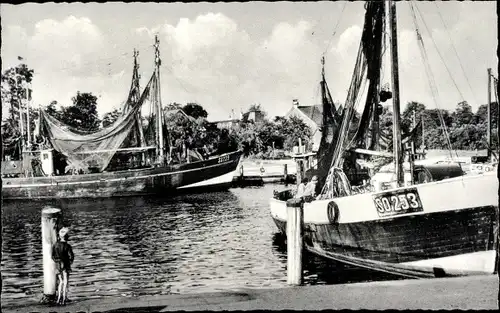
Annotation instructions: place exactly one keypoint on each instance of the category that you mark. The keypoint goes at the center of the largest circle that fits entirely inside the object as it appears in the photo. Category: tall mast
(159, 122)
(489, 114)
(136, 96)
(397, 146)
(323, 91)
(323, 68)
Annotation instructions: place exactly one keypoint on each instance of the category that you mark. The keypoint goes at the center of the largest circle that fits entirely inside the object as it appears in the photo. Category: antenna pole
(397, 145)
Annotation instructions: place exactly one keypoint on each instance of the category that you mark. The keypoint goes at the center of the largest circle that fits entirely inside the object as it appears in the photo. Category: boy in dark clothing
(63, 256)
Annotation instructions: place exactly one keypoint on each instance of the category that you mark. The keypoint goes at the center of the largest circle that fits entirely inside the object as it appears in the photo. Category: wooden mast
(159, 122)
(137, 95)
(323, 87)
(488, 133)
(397, 145)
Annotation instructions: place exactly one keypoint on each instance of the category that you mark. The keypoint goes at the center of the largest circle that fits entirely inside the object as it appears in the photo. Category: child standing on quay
(63, 256)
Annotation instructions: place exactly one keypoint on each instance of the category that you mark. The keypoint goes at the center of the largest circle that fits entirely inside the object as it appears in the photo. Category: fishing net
(367, 67)
(92, 150)
(332, 118)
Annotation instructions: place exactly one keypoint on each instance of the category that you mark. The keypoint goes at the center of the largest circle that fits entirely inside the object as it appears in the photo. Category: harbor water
(128, 247)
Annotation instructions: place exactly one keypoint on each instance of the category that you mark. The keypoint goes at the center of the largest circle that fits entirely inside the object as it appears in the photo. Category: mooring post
(294, 240)
(51, 221)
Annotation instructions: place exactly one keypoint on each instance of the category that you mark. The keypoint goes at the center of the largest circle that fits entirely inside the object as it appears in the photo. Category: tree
(195, 110)
(248, 139)
(173, 106)
(481, 115)
(82, 115)
(254, 107)
(463, 114)
(52, 110)
(110, 117)
(292, 129)
(412, 108)
(14, 91)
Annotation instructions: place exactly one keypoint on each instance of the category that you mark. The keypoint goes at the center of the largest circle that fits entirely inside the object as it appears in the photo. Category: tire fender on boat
(333, 212)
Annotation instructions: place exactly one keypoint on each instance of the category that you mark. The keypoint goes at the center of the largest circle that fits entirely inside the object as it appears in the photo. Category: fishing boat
(90, 170)
(424, 220)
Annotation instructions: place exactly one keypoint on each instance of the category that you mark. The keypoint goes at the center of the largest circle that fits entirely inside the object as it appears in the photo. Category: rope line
(335, 29)
(439, 53)
(431, 80)
(456, 53)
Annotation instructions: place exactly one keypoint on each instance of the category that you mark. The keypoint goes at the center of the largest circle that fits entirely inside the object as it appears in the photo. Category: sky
(228, 56)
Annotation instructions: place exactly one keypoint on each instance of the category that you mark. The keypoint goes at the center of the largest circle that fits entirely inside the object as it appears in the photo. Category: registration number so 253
(398, 202)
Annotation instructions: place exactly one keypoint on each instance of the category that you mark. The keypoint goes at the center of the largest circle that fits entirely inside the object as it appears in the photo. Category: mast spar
(159, 121)
(137, 95)
(397, 145)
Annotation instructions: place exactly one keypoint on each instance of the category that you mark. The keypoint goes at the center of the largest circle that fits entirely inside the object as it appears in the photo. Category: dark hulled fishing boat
(89, 157)
(416, 226)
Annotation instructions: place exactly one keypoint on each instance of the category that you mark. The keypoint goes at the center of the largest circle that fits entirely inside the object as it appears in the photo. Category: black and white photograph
(220, 156)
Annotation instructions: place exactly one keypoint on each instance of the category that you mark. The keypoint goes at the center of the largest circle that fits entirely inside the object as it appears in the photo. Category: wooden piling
(51, 221)
(294, 225)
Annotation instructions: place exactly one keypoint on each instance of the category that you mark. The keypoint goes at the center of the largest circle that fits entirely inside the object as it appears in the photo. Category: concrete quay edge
(471, 292)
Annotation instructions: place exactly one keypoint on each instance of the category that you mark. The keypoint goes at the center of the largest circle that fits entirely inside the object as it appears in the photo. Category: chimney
(295, 102)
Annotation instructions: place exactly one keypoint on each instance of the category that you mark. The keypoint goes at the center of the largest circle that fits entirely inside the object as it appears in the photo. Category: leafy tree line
(467, 130)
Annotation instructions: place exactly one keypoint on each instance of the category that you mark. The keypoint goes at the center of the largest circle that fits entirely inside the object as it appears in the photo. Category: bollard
(294, 221)
(241, 171)
(51, 222)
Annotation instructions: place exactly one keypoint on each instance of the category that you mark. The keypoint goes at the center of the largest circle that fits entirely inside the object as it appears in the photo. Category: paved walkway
(478, 292)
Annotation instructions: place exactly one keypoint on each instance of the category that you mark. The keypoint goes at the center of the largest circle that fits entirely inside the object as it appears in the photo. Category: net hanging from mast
(354, 132)
(93, 150)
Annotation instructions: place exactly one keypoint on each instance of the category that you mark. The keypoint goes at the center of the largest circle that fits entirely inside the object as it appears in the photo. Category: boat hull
(203, 175)
(440, 240)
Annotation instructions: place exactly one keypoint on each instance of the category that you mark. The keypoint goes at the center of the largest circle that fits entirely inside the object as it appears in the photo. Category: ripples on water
(144, 246)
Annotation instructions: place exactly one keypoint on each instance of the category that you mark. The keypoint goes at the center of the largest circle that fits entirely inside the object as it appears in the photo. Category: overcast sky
(227, 56)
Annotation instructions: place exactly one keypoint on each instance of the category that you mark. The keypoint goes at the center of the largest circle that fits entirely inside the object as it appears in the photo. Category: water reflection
(144, 246)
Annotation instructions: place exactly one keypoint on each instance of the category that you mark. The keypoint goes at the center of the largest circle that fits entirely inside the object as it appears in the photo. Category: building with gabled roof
(312, 115)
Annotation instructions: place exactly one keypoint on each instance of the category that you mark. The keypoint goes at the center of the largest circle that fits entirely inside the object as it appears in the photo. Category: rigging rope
(431, 81)
(439, 53)
(456, 53)
(335, 30)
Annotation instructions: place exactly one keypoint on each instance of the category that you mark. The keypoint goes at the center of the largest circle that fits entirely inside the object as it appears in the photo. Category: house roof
(169, 113)
(234, 120)
(314, 112)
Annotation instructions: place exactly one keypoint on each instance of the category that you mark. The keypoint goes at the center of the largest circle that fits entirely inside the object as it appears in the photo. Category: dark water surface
(143, 246)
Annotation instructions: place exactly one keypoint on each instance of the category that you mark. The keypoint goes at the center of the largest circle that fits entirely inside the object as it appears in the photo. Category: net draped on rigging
(353, 132)
(85, 150)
